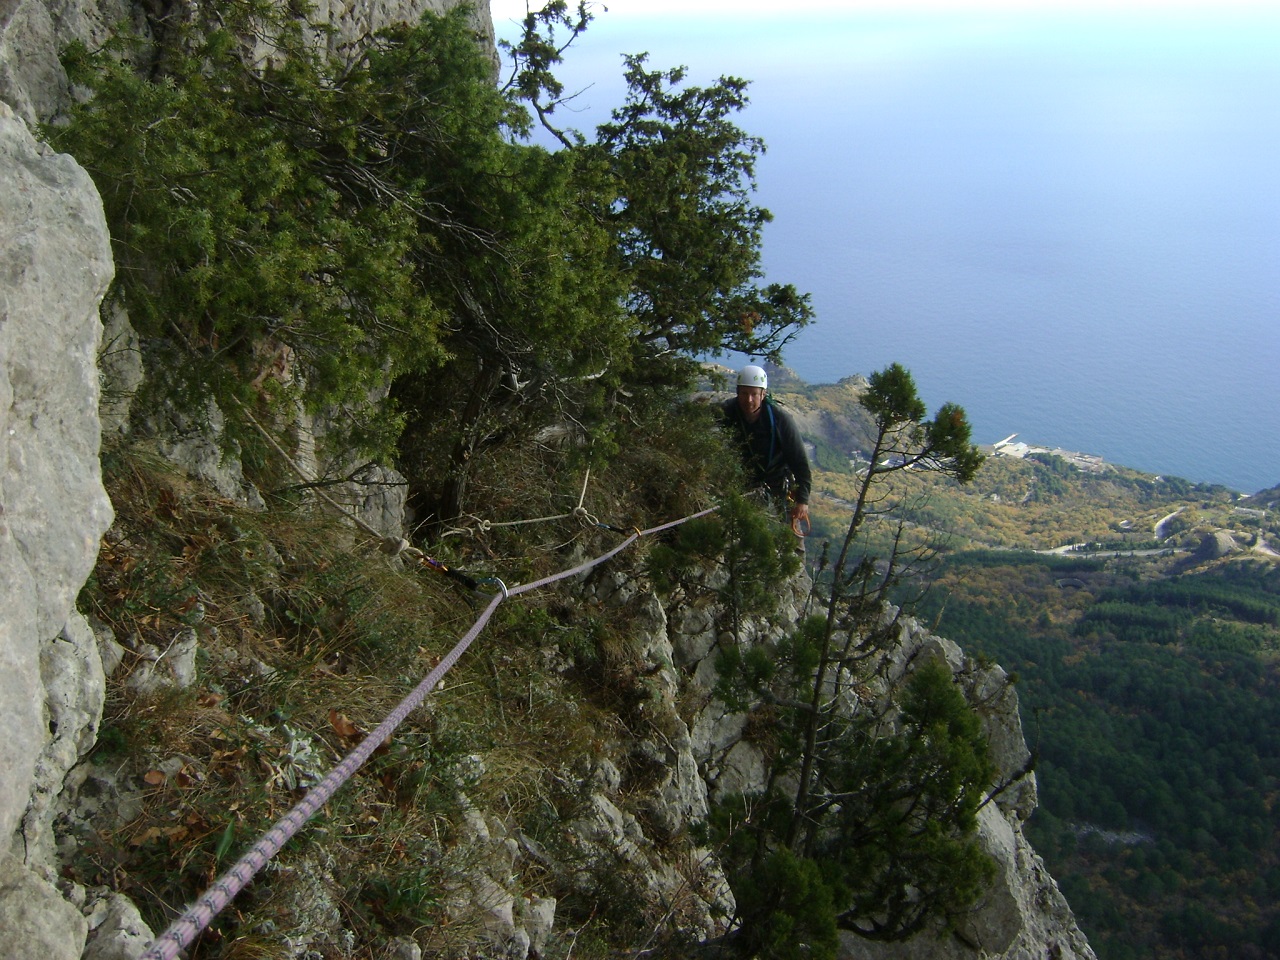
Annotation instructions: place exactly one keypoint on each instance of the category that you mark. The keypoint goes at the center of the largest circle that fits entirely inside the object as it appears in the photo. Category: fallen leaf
(229, 756)
(342, 726)
(146, 836)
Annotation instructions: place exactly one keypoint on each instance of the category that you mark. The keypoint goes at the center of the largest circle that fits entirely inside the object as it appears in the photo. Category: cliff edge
(54, 511)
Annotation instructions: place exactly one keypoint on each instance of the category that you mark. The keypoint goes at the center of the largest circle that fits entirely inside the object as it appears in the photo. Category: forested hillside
(1154, 708)
(1147, 669)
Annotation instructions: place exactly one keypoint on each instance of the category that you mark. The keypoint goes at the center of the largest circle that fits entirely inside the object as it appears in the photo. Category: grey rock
(497, 910)
(518, 945)
(119, 932)
(75, 689)
(173, 668)
(538, 914)
(377, 497)
(196, 445)
(110, 651)
(32, 32)
(1216, 545)
(715, 731)
(54, 270)
(1023, 916)
(404, 948)
(606, 776)
(120, 369)
(37, 921)
(32, 81)
(742, 772)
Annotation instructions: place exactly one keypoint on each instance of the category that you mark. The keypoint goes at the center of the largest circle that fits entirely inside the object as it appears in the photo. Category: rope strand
(182, 931)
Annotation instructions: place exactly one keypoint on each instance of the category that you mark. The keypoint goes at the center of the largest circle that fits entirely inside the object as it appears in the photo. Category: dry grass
(308, 637)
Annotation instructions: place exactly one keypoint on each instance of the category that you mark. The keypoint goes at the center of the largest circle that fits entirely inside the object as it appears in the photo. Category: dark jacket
(771, 449)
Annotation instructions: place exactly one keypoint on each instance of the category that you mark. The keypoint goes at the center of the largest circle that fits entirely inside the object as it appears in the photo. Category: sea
(1066, 222)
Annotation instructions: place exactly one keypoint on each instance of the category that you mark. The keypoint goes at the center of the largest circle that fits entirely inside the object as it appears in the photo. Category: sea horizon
(991, 439)
(1066, 222)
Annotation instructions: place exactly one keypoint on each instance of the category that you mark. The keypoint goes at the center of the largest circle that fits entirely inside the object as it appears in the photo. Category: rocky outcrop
(54, 269)
(32, 32)
(32, 81)
(1023, 915)
(1215, 545)
(55, 266)
(53, 510)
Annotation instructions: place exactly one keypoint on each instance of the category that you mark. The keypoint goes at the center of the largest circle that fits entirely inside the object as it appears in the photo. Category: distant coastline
(1074, 452)
(987, 213)
(1230, 453)
(1011, 447)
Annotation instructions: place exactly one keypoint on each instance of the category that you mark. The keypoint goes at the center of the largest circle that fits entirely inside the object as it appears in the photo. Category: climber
(769, 441)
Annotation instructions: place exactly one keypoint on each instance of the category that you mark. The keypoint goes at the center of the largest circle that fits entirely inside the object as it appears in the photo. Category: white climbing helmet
(753, 376)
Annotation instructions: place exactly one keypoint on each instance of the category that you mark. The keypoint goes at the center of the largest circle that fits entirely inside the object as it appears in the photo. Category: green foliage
(687, 236)
(880, 828)
(244, 231)
(1154, 710)
(536, 54)
(892, 847)
(743, 537)
(291, 228)
(1206, 609)
(379, 225)
(860, 585)
(742, 674)
(942, 443)
(788, 909)
(908, 803)
(829, 458)
(903, 439)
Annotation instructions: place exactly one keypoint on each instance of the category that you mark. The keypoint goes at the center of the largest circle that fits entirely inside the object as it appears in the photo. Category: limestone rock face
(352, 20)
(1216, 545)
(118, 931)
(32, 32)
(1023, 915)
(54, 269)
(37, 921)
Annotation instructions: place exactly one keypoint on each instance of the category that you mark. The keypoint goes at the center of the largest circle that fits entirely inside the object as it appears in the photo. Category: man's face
(750, 399)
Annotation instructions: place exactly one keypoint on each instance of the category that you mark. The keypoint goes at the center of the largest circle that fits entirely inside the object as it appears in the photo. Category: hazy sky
(771, 8)
(789, 41)
(1082, 192)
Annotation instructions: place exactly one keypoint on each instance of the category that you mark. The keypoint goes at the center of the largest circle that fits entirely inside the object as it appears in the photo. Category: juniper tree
(687, 235)
(243, 225)
(874, 783)
(903, 440)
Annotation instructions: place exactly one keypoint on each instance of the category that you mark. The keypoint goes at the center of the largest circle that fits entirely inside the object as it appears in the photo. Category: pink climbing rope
(182, 931)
